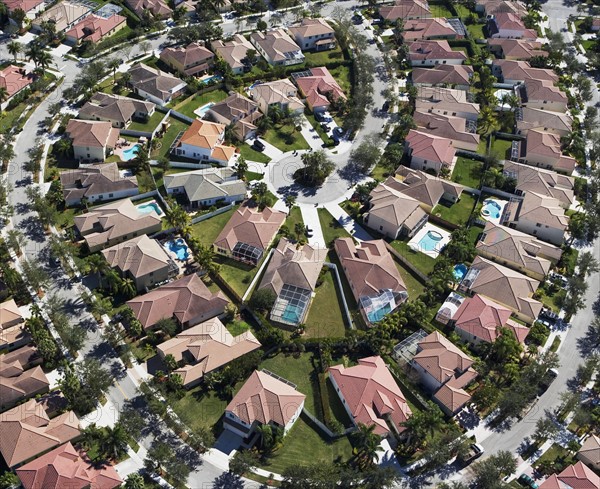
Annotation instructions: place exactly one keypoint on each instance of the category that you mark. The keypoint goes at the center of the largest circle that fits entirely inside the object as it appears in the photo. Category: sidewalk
(310, 216)
(356, 230)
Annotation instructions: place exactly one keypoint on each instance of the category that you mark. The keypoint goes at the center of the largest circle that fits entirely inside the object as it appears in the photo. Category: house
(239, 111)
(318, 86)
(10, 314)
(119, 111)
(191, 60)
(445, 370)
(463, 133)
(205, 348)
(558, 123)
(26, 6)
(393, 213)
(517, 49)
(27, 431)
(517, 250)
(513, 72)
(233, 52)
(541, 181)
(114, 223)
(373, 277)
(436, 28)
(425, 188)
(188, 300)
(542, 148)
(158, 8)
(248, 233)
(540, 216)
(155, 85)
(292, 275)
(65, 467)
(21, 376)
(313, 34)
(143, 260)
(370, 395)
(446, 101)
(97, 183)
(542, 94)
(64, 15)
(405, 10)
(14, 79)
(457, 76)
(505, 286)
(508, 25)
(92, 140)
(589, 453)
(263, 399)
(277, 47)
(12, 333)
(429, 152)
(94, 28)
(578, 476)
(432, 53)
(491, 7)
(203, 141)
(279, 93)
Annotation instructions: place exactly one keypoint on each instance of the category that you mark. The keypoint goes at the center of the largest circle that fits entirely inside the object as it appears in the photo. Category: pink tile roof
(518, 48)
(415, 30)
(547, 144)
(94, 28)
(441, 358)
(578, 476)
(443, 74)
(404, 9)
(316, 87)
(511, 21)
(14, 79)
(25, 5)
(371, 393)
(425, 50)
(430, 147)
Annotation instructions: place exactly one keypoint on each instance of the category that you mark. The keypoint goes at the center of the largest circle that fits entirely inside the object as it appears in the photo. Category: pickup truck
(475, 451)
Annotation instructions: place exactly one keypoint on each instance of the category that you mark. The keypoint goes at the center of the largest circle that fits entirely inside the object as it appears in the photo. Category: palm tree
(366, 444)
(177, 217)
(290, 201)
(44, 60)
(114, 442)
(16, 240)
(3, 94)
(128, 287)
(241, 167)
(63, 147)
(14, 48)
(113, 280)
(134, 481)
(97, 265)
(33, 52)
(113, 64)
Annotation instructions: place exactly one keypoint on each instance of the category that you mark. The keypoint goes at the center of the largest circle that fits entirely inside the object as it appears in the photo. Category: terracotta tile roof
(542, 181)
(139, 256)
(511, 21)
(208, 135)
(452, 398)
(543, 90)
(115, 108)
(522, 70)
(372, 394)
(518, 48)
(590, 450)
(497, 6)
(233, 51)
(311, 27)
(543, 209)
(552, 482)
(92, 180)
(318, 85)
(21, 386)
(193, 58)
(14, 79)
(158, 7)
(265, 399)
(9, 313)
(94, 28)
(97, 134)
(429, 147)
(405, 9)
(24, 5)
(67, 468)
(578, 476)
(432, 50)
(276, 43)
(14, 334)
(441, 359)
(443, 74)
(446, 126)
(415, 30)
(422, 186)
(14, 362)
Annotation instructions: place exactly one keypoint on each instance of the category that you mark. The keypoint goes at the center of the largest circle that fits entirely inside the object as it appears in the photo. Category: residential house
(505, 286)
(203, 141)
(542, 148)
(205, 348)
(491, 7)
(279, 93)
(202, 188)
(64, 467)
(188, 300)
(30, 7)
(542, 182)
(119, 111)
(517, 250)
(405, 10)
(445, 370)
(94, 28)
(373, 277)
(313, 34)
(596, 24)
(21, 377)
(428, 29)
(239, 111)
(425, 188)
(558, 123)
(513, 72)
(457, 76)
(542, 94)
(248, 233)
(14, 79)
(97, 183)
(432, 53)
(392, 212)
(64, 15)
(463, 133)
(92, 140)
(517, 49)
(429, 152)
(292, 275)
(143, 260)
(263, 399)
(318, 86)
(589, 453)
(277, 47)
(508, 25)
(114, 223)
(191, 60)
(370, 395)
(155, 85)
(578, 476)
(12, 333)
(27, 431)
(446, 101)
(233, 52)
(158, 8)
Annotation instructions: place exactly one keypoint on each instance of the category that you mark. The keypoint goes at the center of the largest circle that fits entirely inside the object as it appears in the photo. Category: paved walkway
(310, 216)
(356, 230)
(310, 135)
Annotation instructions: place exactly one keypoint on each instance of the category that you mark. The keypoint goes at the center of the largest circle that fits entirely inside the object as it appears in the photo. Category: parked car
(319, 116)
(386, 106)
(338, 132)
(527, 481)
(325, 127)
(258, 146)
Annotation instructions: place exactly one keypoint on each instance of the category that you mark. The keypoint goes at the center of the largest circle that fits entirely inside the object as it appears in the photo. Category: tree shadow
(588, 343)
(228, 480)
(32, 228)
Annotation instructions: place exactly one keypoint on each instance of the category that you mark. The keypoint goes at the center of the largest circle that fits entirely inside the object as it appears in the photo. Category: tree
(241, 167)
(15, 48)
(366, 445)
(127, 287)
(131, 421)
(506, 347)
(8, 480)
(18, 15)
(260, 193)
(177, 217)
(300, 230)
(261, 25)
(545, 428)
(145, 46)
(16, 240)
(263, 299)
(242, 462)
(170, 362)
(84, 383)
(159, 456)
(490, 471)
(366, 154)
(167, 325)
(317, 167)
(114, 442)
(113, 64)
(134, 481)
(37, 277)
(290, 201)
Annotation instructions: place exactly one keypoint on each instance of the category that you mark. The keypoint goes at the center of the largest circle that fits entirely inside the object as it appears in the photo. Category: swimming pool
(430, 241)
(377, 315)
(292, 314)
(149, 207)
(179, 247)
(131, 153)
(460, 271)
(201, 111)
(212, 78)
(491, 208)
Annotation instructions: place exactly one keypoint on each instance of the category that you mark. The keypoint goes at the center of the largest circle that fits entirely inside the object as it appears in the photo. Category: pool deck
(180, 263)
(414, 242)
(119, 150)
(502, 204)
(201, 111)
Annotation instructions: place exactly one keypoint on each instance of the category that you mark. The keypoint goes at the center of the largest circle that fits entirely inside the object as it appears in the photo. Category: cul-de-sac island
(343, 244)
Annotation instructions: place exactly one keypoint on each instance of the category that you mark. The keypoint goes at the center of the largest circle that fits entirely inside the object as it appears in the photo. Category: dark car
(527, 481)
(386, 106)
(257, 145)
(338, 132)
(320, 117)
(325, 127)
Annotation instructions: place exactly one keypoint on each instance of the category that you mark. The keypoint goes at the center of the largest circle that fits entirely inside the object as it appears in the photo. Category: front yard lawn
(293, 218)
(325, 318)
(252, 155)
(207, 231)
(467, 172)
(501, 148)
(342, 76)
(150, 124)
(175, 127)
(331, 228)
(199, 408)
(285, 138)
(554, 460)
(421, 261)
(190, 104)
(458, 213)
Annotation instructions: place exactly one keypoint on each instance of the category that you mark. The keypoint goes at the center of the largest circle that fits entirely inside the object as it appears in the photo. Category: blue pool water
(491, 209)
(149, 207)
(379, 314)
(430, 241)
(204, 109)
(292, 313)
(460, 271)
(130, 153)
(212, 78)
(180, 249)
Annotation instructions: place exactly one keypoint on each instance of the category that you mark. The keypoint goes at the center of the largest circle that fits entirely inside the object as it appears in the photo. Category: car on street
(258, 146)
(527, 481)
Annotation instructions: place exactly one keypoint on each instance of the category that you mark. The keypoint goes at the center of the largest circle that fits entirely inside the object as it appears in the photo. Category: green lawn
(462, 11)
(237, 275)
(331, 228)
(342, 76)
(474, 232)
(323, 58)
(145, 181)
(325, 319)
(556, 455)
(293, 218)
(467, 172)
(475, 31)
(175, 127)
(421, 261)
(413, 286)
(236, 328)
(285, 138)
(588, 44)
(251, 176)
(150, 124)
(207, 231)
(199, 408)
(501, 148)
(440, 10)
(458, 213)
(190, 104)
(252, 155)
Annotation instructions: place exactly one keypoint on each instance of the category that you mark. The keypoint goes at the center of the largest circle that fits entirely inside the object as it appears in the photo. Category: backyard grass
(440, 10)
(501, 148)
(462, 11)
(342, 76)
(413, 286)
(331, 228)
(145, 181)
(252, 155)
(474, 232)
(325, 318)
(285, 138)
(236, 328)
(293, 218)
(199, 409)
(475, 31)
(175, 127)
(207, 231)
(65, 218)
(190, 104)
(150, 124)
(237, 275)
(467, 172)
(421, 261)
(322, 58)
(458, 213)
